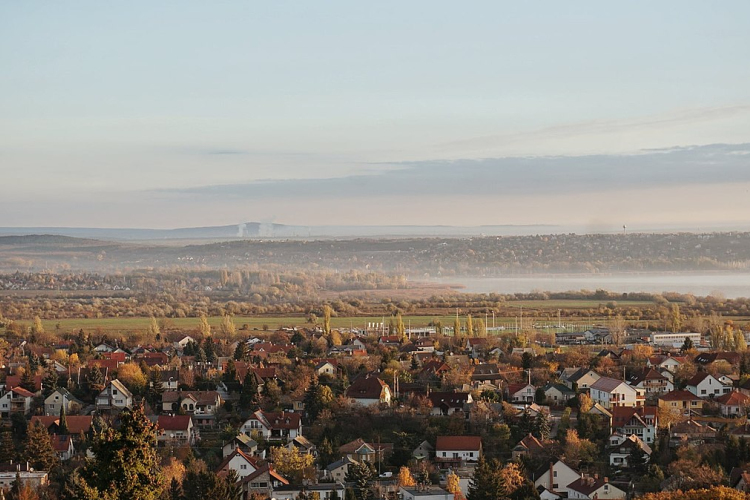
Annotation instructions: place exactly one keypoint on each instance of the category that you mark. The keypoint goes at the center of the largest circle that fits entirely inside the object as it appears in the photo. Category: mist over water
(730, 285)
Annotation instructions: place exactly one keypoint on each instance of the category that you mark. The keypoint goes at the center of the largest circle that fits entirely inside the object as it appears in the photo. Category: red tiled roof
(76, 423)
(459, 443)
(733, 398)
(175, 423)
(679, 396)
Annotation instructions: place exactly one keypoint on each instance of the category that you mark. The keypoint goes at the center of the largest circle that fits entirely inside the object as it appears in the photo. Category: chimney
(606, 479)
(551, 476)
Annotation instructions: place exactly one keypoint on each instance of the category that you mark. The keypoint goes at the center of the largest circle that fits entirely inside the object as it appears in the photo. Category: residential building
(705, 385)
(457, 450)
(240, 462)
(558, 394)
(623, 446)
(29, 476)
(641, 421)
(274, 426)
(733, 404)
(63, 445)
(520, 393)
(177, 430)
(369, 390)
(323, 491)
(590, 488)
(529, 445)
(684, 402)
(610, 393)
(59, 398)
(425, 493)
(16, 400)
(448, 403)
(556, 477)
(580, 379)
(361, 451)
(242, 441)
(115, 396)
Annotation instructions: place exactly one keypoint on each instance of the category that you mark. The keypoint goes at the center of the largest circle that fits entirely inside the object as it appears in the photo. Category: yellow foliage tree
(715, 493)
(132, 376)
(405, 478)
(452, 484)
(293, 464)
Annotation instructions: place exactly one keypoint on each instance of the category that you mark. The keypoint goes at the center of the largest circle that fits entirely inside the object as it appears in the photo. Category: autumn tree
(327, 311)
(405, 478)
(227, 327)
(133, 377)
(203, 327)
(293, 463)
(452, 485)
(577, 450)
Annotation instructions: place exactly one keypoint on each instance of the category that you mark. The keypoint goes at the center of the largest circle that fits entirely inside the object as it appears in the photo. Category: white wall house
(705, 385)
(557, 478)
(114, 396)
(610, 393)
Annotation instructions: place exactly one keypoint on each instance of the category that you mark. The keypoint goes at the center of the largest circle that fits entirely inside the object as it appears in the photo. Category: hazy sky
(185, 113)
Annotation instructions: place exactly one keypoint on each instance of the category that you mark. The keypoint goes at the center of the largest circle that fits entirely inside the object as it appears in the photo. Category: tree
(469, 326)
(63, 425)
(241, 352)
(317, 398)
(405, 478)
(227, 327)
(486, 483)
(155, 389)
(687, 345)
(38, 448)
(203, 326)
(361, 473)
(125, 464)
(327, 319)
(526, 359)
(293, 463)
(617, 330)
(675, 318)
(202, 484)
(400, 328)
(577, 450)
(153, 327)
(37, 328)
(249, 391)
(133, 377)
(542, 426)
(7, 447)
(637, 459)
(452, 485)
(456, 328)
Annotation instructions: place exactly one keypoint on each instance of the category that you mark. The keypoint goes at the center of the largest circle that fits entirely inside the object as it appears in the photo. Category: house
(745, 387)
(77, 424)
(29, 476)
(705, 385)
(623, 447)
(369, 390)
(665, 362)
(240, 462)
(16, 400)
(169, 379)
(487, 373)
(641, 421)
(739, 479)
(321, 490)
(727, 359)
(579, 379)
(177, 430)
(361, 451)
(555, 477)
(558, 394)
(733, 404)
(650, 382)
(424, 493)
(63, 445)
(338, 469)
(115, 396)
(304, 445)
(475, 346)
(424, 450)
(263, 482)
(274, 426)
(610, 393)
(326, 367)
(691, 433)
(529, 445)
(241, 441)
(520, 393)
(457, 450)
(684, 402)
(59, 398)
(589, 488)
(183, 342)
(448, 403)
(202, 405)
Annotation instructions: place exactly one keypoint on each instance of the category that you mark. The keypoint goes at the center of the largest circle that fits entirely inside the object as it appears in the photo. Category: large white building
(610, 393)
(674, 339)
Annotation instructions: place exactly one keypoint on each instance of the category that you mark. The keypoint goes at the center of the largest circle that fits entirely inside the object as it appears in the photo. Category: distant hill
(266, 230)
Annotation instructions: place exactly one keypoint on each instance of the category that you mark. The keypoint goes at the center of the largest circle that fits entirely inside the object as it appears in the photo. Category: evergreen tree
(249, 391)
(208, 348)
(63, 425)
(542, 426)
(49, 382)
(241, 352)
(155, 389)
(38, 448)
(175, 490)
(125, 463)
(487, 482)
(637, 459)
(687, 345)
(361, 473)
(7, 447)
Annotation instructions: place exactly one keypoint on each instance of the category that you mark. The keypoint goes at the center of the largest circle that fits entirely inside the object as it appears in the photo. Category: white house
(324, 491)
(114, 396)
(339, 469)
(16, 400)
(427, 493)
(240, 462)
(63, 445)
(589, 488)
(556, 477)
(369, 390)
(521, 393)
(458, 449)
(705, 385)
(177, 430)
(61, 397)
(610, 393)
(622, 448)
(241, 441)
(579, 379)
(274, 426)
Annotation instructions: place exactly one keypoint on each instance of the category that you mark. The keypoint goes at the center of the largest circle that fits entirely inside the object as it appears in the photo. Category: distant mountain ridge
(270, 230)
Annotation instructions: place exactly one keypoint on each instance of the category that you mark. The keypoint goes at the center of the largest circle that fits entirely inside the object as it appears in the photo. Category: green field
(140, 324)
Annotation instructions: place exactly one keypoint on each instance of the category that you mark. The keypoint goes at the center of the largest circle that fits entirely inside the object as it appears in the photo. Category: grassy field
(129, 324)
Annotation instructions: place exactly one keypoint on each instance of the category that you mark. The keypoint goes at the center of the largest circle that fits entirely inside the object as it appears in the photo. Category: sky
(191, 113)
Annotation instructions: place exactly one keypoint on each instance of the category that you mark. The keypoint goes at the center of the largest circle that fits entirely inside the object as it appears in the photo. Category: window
(114, 392)
(243, 466)
(554, 474)
(703, 391)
